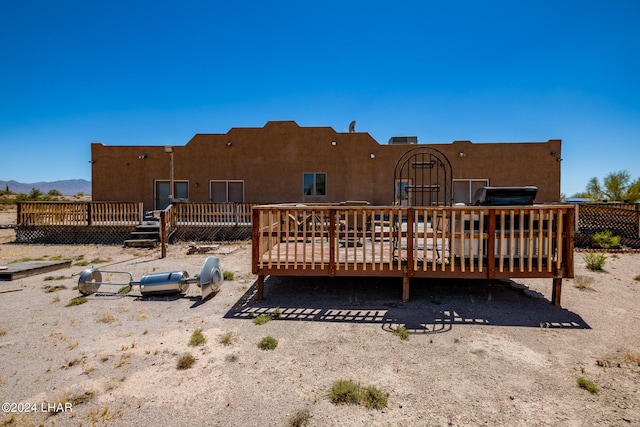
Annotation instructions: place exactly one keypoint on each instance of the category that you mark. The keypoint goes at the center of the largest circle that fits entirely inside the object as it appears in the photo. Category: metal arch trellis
(423, 177)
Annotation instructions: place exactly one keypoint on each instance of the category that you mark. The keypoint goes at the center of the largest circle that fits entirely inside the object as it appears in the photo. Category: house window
(226, 191)
(464, 189)
(314, 184)
(163, 195)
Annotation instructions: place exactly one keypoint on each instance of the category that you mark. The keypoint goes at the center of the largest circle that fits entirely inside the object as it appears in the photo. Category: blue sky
(158, 72)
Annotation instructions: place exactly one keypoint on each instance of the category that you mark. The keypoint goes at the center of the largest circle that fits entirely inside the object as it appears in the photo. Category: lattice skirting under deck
(211, 234)
(73, 234)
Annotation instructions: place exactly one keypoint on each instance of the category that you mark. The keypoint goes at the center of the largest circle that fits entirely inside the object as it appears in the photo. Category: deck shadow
(435, 305)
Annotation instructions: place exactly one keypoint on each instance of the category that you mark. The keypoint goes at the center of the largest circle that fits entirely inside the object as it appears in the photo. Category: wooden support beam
(556, 292)
(405, 284)
(260, 287)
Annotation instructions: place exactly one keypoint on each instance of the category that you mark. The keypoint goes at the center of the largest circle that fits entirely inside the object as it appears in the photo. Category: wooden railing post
(410, 223)
(491, 244)
(255, 240)
(19, 214)
(89, 214)
(332, 242)
(163, 234)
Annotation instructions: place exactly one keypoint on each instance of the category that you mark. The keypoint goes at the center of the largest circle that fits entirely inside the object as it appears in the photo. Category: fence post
(89, 214)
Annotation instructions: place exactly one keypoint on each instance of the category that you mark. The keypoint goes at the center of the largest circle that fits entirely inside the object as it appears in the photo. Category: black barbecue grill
(505, 196)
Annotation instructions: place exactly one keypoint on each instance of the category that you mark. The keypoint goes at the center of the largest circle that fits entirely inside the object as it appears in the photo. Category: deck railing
(458, 241)
(212, 214)
(190, 215)
(79, 213)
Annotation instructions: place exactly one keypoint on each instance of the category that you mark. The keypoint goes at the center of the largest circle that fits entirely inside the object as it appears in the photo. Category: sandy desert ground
(479, 353)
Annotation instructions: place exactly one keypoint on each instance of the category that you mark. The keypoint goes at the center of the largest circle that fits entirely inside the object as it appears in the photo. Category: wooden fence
(473, 242)
(79, 213)
(113, 222)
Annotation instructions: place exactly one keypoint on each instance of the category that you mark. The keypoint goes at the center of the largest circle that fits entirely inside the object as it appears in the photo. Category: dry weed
(106, 317)
(142, 315)
(124, 360)
(102, 416)
(583, 282)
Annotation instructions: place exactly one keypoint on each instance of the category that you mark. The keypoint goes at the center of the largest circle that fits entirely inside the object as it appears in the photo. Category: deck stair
(146, 235)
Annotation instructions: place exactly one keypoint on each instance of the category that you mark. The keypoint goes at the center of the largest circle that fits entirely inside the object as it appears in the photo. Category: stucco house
(284, 162)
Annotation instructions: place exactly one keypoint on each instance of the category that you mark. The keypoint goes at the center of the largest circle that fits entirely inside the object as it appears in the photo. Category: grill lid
(505, 196)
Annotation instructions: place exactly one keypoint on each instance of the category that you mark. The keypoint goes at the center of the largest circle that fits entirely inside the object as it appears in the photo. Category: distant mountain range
(68, 187)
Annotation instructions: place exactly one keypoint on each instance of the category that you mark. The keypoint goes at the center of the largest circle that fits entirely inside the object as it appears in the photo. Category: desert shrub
(594, 260)
(106, 318)
(186, 361)
(76, 301)
(587, 385)
(227, 338)
(401, 332)
(583, 282)
(632, 357)
(197, 338)
(261, 319)
(350, 393)
(268, 343)
(606, 239)
(265, 317)
(344, 392)
(299, 419)
(48, 288)
(48, 278)
(373, 398)
(228, 275)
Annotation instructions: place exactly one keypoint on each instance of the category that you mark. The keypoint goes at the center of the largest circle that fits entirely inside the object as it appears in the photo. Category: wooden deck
(29, 268)
(455, 242)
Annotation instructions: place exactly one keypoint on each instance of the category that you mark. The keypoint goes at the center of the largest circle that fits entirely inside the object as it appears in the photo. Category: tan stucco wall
(271, 162)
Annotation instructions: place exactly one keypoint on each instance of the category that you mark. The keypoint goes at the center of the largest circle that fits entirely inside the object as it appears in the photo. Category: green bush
(373, 398)
(401, 332)
(594, 260)
(344, 392)
(197, 338)
(587, 385)
(606, 240)
(76, 301)
(268, 343)
(350, 393)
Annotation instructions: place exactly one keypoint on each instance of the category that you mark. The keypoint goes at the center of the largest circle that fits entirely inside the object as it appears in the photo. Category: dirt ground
(479, 353)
